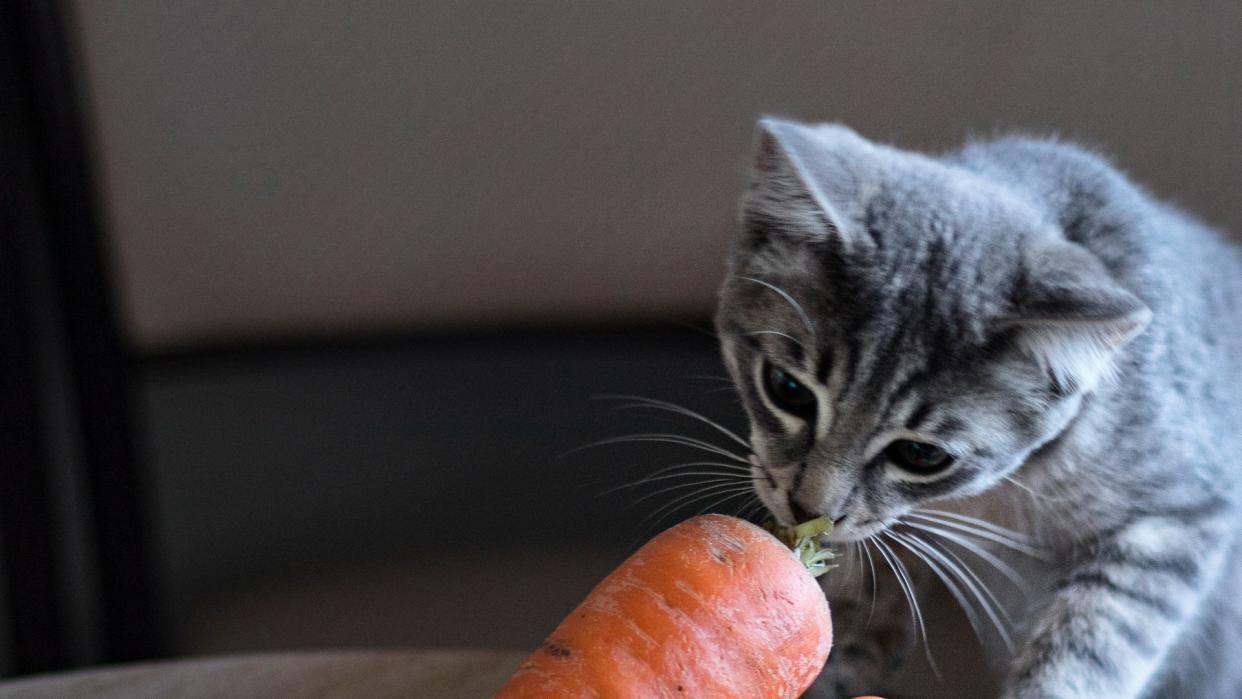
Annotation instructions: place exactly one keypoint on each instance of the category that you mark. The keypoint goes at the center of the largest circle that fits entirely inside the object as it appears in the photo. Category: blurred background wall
(375, 258)
(289, 168)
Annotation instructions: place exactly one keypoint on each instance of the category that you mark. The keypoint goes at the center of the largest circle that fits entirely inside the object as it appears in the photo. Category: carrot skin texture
(713, 607)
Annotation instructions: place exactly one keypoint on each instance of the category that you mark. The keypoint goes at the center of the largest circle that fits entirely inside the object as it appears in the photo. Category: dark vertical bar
(28, 551)
(99, 367)
(27, 541)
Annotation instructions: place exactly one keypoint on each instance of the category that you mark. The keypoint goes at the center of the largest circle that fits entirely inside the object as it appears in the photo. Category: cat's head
(900, 328)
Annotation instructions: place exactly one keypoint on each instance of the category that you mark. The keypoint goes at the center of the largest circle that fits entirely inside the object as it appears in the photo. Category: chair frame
(76, 577)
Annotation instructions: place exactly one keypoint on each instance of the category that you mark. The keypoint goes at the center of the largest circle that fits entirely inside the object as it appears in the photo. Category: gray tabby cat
(1015, 332)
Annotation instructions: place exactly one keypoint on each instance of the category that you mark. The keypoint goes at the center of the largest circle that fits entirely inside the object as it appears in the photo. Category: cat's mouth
(847, 531)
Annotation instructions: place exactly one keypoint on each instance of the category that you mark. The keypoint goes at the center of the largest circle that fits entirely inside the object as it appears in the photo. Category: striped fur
(1075, 344)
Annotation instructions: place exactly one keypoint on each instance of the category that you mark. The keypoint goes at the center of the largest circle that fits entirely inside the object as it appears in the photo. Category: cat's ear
(1071, 317)
(828, 163)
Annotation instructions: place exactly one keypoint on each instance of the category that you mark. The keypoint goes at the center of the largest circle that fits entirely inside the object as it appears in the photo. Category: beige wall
(274, 169)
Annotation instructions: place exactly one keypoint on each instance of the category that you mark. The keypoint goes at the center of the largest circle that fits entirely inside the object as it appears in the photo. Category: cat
(1006, 357)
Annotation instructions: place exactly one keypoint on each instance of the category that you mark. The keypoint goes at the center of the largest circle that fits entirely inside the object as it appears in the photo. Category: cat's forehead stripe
(919, 416)
(795, 351)
(824, 366)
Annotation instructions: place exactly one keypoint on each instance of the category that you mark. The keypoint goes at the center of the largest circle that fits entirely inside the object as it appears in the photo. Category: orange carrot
(713, 607)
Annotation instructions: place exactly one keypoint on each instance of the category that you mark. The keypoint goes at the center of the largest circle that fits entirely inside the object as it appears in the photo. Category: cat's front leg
(1114, 618)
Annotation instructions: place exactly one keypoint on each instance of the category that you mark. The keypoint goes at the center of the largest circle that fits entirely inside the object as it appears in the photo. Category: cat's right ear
(825, 165)
(1071, 317)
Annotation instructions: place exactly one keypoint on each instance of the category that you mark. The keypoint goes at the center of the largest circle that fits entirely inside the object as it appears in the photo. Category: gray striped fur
(1076, 344)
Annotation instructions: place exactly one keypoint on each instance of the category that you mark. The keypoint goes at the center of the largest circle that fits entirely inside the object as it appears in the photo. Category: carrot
(713, 607)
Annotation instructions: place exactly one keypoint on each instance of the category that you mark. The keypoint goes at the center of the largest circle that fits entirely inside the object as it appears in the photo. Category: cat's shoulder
(1070, 177)
(1038, 154)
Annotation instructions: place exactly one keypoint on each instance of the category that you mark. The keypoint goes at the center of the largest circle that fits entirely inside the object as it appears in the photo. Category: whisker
(708, 377)
(907, 588)
(754, 510)
(1016, 536)
(664, 438)
(979, 551)
(1021, 496)
(652, 403)
(1033, 493)
(950, 585)
(1037, 499)
(987, 591)
(855, 557)
(657, 517)
(996, 604)
(745, 506)
(686, 500)
(838, 583)
(914, 543)
(725, 499)
(841, 582)
(681, 474)
(676, 470)
(806, 320)
(979, 533)
(870, 564)
(716, 478)
(694, 484)
(777, 333)
(734, 468)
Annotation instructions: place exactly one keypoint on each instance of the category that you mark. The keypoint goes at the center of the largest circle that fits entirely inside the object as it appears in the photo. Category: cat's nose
(799, 513)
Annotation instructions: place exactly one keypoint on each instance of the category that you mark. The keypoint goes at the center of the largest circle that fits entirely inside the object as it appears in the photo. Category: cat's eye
(918, 457)
(788, 393)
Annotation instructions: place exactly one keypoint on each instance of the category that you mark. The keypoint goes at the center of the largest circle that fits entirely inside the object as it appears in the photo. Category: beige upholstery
(323, 675)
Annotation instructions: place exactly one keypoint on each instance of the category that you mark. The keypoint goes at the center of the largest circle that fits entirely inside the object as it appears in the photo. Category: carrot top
(804, 540)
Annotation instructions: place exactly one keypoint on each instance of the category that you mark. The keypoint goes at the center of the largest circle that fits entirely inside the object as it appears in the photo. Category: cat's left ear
(829, 163)
(1071, 316)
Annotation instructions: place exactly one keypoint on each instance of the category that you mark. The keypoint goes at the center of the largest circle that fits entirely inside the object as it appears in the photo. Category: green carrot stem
(803, 539)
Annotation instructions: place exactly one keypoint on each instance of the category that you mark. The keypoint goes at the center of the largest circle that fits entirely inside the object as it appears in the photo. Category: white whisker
(686, 500)
(870, 564)
(664, 438)
(974, 548)
(855, 558)
(980, 533)
(752, 510)
(907, 588)
(806, 320)
(725, 499)
(949, 583)
(643, 402)
(694, 484)
(732, 468)
(683, 470)
(778, 333)
(987, 601)
(1013, 535)
(973, 575)
(1031, 491)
